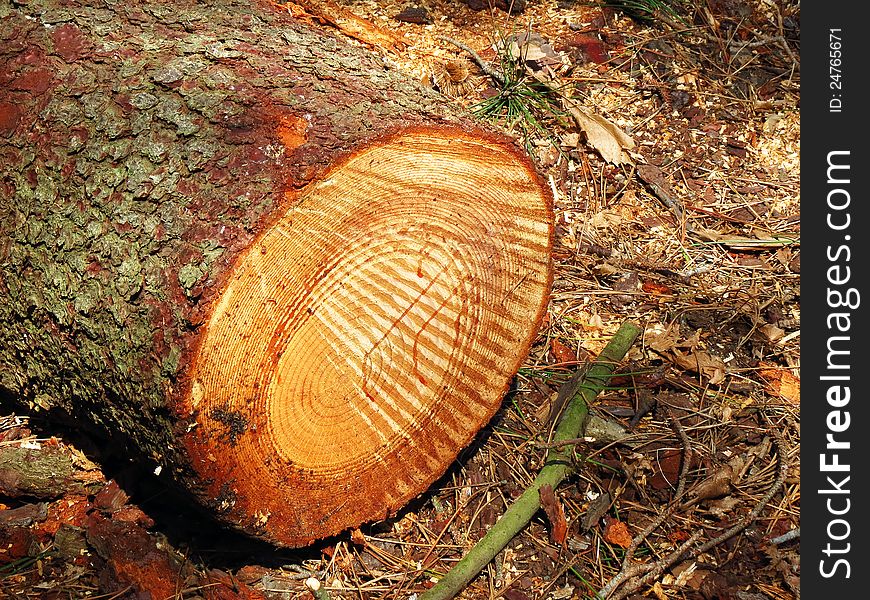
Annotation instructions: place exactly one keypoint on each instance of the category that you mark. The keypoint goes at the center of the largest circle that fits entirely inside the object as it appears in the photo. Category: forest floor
(672, 147)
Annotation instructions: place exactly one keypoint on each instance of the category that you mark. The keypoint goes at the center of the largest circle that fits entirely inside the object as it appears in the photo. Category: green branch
(579, 391)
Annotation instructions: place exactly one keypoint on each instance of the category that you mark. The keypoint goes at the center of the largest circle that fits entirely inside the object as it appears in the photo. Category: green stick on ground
(581, 389)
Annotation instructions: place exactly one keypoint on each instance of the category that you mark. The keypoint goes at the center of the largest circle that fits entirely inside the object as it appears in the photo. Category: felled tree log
(295, 283)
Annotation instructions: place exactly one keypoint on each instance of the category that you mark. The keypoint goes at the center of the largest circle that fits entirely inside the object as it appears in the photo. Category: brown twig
(759, 506)
(633, 577)
(629, 570)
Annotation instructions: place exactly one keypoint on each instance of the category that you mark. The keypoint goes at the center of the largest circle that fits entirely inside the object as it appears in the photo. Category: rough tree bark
(295, 282)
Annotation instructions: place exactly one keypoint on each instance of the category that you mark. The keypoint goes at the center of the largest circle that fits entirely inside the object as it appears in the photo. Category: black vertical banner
(835, 426)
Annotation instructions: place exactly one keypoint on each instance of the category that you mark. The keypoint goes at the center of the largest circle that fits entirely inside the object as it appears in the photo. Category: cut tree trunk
(296, 283)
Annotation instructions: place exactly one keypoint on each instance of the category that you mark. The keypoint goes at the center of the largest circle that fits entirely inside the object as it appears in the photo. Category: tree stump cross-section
(369, 332)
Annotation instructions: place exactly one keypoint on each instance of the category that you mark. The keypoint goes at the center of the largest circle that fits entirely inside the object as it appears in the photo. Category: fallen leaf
(628, 282)
(561, 352)
(616, 532)
(695, 579)
(663, 340)
(604, 431)
(750, 262)
(608, 139)
(739, 463)
(651, 287)
(537, 54)
(678, 536)
(667, 469)
(710, 366)
(693, 341)
(715, 486)
(556, 515)
(606, 268)
(596, 509)
(590, 47)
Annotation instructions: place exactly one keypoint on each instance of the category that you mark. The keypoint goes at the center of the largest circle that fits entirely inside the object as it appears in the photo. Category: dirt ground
(671, 144)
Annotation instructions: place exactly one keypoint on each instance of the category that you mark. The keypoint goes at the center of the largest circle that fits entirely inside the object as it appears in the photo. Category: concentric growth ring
(369, 333)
